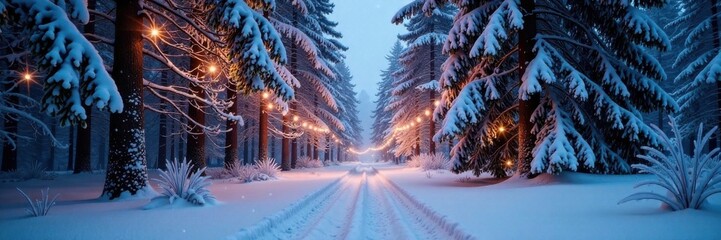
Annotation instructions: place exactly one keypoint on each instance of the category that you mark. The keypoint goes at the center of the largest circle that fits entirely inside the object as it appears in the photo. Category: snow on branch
(76, 73)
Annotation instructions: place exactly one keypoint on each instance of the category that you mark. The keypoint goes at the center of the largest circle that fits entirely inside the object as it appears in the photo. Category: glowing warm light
(212, 69)
(381, 147)
(427, 112)
(501, 129)
(436, 103)
(28, 77)
(295, 118)
(266, 95)
(413, 124)
(154, 32)
(509, 163)
(336, 140)
(418, 119)
(270, 106)
(305, 124)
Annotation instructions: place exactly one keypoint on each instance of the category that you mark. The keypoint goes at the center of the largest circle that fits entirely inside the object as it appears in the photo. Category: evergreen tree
(416, 82)
(698, 60)
(382, 130)
(566, 82)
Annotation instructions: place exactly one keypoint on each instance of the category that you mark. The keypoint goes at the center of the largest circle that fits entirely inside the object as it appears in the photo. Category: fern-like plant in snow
(178, 183)
(39, 207)
(267, 167)
(307, 162)
(690, 180)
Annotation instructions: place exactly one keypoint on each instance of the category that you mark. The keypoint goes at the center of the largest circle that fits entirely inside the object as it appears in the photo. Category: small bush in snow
(33, 170)
(689, 180)
(39, 207)
(307, 162)
(267, 167)
(178, 183)
(245, 172)
(414, 162)
(430, 162)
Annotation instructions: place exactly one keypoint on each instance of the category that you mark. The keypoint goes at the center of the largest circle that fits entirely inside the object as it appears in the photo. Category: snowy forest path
(362, 204)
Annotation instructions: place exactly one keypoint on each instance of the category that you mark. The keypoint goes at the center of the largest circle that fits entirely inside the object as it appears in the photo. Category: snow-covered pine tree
(348, 110)
(699, 59)
(73, 71)
(585, 64)
(311, 40)
(416, 82)
(382, 130)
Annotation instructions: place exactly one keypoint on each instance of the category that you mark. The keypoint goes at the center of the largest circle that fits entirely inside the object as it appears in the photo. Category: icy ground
(366, 202)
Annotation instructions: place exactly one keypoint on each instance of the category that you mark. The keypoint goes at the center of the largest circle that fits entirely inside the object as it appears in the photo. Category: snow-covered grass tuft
(307, 162)
(244, 172)
(178, 183)
(436, 161)
(689, 179)
(40, 207)
(414, 162)
(267, 167)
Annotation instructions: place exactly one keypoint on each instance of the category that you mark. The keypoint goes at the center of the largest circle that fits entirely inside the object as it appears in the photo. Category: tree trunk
(272, 147)
(307, 147)
(246, 145)
(10, 154)
(326, 154)
(526, 107)
(431, 124)
(285, 164)
(418, 141)
(127, 171)
(713, 142)
(71, 140)
(337, 152)
(84, 142)
(195, 144)
(231, 137)
(262, 130)
(162, 129)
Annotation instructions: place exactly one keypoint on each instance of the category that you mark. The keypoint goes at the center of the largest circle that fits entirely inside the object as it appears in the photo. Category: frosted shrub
(307, 162)
(34, 170)
(245, 172)
(414, 162)
(178, 183)
(39, 207)
(431, 161)
(689, 180)
(267, 167)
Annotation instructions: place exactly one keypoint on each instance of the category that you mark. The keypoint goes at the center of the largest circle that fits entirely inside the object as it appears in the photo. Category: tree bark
(713, 142)
(84, 138)
(231, 137)
(127, 171)
(195, 145)
(262, 130)
(431, 124)
(526, 42)
(162, 129)
(326, 154)
(10, 154)
(71, 147)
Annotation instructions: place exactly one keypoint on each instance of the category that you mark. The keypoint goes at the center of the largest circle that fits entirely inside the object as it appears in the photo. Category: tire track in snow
(362, 204)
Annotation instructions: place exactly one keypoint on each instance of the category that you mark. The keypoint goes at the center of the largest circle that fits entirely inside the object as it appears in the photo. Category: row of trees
(548, 86)
(192, 67)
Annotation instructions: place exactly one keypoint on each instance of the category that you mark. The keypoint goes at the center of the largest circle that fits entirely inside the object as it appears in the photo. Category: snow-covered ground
(78, 215)
(357, 202)
(570, 206)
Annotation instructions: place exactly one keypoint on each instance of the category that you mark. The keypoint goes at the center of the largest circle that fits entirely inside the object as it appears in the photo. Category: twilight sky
(368, 32)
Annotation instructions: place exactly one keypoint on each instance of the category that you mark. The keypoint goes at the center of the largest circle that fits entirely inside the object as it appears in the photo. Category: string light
(509, 163)
(418, 119)
(212, 69)
(266, 95)
(427, 112)
(154, 32)
(436, 103)
(385, 145)
(501, 129)
(28, 77)
(295, 118)
(270, 106)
